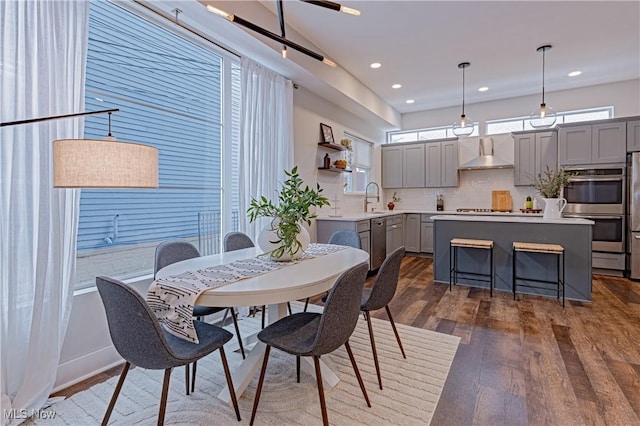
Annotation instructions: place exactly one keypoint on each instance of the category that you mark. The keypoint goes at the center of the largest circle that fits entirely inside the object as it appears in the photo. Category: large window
(359, 159)
(171, 94)
(516, 124)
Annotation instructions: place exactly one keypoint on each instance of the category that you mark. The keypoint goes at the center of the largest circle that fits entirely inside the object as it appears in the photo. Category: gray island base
(573, 234)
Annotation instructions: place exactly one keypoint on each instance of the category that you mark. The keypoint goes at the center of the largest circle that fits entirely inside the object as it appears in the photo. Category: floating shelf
(334, 146)
(334, 170)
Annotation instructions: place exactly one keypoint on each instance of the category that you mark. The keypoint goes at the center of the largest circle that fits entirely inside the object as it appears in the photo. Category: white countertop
(513, 218)
(353, 217)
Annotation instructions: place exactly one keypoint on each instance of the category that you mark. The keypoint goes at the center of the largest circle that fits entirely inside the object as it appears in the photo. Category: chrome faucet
(366, 196)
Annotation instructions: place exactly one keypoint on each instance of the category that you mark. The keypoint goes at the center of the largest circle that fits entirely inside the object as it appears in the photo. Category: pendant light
(91, 163)
(544, 116)
(464, 126)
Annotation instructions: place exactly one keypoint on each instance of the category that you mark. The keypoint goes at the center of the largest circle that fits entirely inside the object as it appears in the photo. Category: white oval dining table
(298, 280)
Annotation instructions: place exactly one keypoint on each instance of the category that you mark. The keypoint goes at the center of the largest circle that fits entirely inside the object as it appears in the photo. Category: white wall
(309, 110)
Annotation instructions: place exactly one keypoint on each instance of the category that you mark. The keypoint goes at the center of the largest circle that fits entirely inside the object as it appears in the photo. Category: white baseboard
(87, 366)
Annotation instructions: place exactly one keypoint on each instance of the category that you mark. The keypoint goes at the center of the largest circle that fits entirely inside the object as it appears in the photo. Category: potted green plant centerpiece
(549, 184)
(285, 238)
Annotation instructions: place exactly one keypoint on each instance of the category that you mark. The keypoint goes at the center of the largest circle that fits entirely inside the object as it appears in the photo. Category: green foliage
(550, 183)
(293, 208)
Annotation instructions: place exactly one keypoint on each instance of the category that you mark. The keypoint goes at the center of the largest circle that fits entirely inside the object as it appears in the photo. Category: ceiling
(421, 43)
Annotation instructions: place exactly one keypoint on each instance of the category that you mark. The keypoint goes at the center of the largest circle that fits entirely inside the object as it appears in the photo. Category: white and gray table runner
(172, 298)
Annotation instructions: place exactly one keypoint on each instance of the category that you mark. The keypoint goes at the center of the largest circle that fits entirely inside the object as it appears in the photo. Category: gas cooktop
(469, 210)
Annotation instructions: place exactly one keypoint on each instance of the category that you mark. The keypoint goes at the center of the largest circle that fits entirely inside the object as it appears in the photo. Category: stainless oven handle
(595, 179)
(581, 216)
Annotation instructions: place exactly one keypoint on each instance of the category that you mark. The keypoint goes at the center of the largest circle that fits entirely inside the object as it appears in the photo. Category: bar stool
(453, 261)
(554, 249)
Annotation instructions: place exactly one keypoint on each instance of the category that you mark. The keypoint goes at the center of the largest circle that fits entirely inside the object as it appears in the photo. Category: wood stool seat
(466, 243)
(463, 242)
(554, 249)
(538, 247)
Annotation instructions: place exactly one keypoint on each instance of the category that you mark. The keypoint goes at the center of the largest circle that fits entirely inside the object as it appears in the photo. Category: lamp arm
(56, 117)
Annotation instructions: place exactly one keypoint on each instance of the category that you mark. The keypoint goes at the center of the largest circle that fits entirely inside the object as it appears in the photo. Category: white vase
(553, 208)
(268, 234)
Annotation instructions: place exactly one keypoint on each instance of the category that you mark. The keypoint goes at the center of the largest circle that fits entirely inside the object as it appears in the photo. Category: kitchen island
(573, 234)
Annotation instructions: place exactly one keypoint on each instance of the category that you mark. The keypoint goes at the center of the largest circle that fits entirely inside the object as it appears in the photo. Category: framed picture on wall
(327, 133)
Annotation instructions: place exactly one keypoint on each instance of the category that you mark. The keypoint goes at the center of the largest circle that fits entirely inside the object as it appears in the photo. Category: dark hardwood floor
(527, 361)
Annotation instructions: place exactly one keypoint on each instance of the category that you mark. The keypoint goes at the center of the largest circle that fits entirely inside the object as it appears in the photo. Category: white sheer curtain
(43, 56)
(266, 147)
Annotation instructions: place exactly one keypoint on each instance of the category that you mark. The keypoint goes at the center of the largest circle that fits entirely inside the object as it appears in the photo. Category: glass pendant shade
(464, 126)
(544, 116)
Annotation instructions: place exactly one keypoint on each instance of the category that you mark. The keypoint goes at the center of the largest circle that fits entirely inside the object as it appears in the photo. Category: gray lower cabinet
(412, 232)
(426, 234)
(533, 153)
(633, 136)
(592, 144)
(363, 227)
(395, 233)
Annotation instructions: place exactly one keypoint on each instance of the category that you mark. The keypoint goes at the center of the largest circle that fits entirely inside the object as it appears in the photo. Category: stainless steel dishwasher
(378, 242)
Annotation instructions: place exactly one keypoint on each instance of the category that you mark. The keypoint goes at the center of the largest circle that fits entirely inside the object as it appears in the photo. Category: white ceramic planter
(267, 235)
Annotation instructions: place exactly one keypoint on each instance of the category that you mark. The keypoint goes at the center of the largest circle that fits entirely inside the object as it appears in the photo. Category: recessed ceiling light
(574, 73)
(396, 86)
(483, 89)
(375, 65)
(409, 101)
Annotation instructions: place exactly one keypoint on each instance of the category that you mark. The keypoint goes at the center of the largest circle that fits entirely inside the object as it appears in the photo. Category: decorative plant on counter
(293, 208)
(551, 182)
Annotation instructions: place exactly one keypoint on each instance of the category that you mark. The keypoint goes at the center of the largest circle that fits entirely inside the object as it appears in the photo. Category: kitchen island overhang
(573, 234)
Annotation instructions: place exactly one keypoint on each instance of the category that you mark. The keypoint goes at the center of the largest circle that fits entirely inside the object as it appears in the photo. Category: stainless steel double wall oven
(599, 193)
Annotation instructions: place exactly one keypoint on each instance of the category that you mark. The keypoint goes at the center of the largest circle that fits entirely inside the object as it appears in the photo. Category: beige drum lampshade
(90, 163)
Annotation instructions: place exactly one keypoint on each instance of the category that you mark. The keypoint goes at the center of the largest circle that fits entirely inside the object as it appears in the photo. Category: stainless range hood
(486, 159)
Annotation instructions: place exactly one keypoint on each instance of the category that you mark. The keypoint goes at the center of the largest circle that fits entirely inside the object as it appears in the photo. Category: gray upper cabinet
(450, 162)
(574, 145)
(413, 166)
(442, 164)
(434, 162)
(592, 144)
(533, 153)
(633, 136)
(609, 143)
(392, 168)
(420, 164)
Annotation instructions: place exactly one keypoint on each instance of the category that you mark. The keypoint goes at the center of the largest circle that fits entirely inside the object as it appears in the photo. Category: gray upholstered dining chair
(345, 237)
(139, 339)
(342, 237)
(379, 296)
(170, 252)
(314, 334)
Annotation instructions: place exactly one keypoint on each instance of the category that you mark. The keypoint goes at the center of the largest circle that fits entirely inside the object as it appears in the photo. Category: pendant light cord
(463, 89)
(543, 53)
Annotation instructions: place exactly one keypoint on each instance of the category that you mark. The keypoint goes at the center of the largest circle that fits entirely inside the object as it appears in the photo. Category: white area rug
(412, 387)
